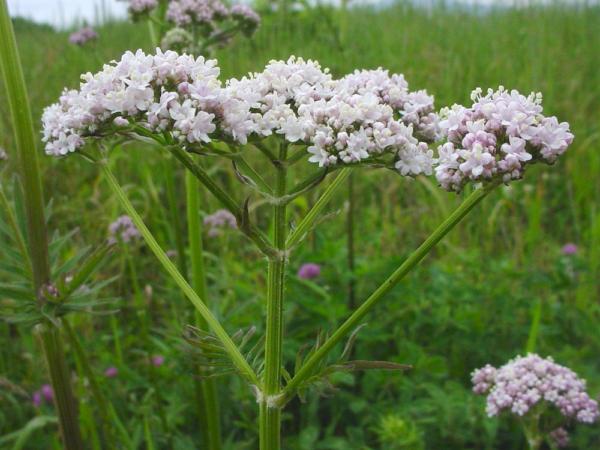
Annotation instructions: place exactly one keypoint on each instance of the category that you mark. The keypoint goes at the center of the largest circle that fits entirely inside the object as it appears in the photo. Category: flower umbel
(497, 137)
(525, 382)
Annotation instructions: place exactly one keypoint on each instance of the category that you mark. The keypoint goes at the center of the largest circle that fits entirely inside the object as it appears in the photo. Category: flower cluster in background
(83, 36)
(44, 394)
(309, 271)
(123, 230)
(497, 137)
(218, 221)
(525, 382)
(3, 154)
(182, 95)
(138, 8)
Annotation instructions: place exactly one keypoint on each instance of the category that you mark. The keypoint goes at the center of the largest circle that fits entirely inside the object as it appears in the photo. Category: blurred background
(520, 273)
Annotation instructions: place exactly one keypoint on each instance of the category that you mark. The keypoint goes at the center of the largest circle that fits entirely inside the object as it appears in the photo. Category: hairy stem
(25, 138)
(352, 322)
(229, 346)
(208, 406)
(270, 413)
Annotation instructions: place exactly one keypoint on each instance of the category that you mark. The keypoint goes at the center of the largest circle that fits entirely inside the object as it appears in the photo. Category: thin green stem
(25, 138)
(308, 221)
(270, 414)
(353, 321)
(350, 244)
(206, 389)
(534, 329)
(107, 410)
(229, 346)
(175, 215)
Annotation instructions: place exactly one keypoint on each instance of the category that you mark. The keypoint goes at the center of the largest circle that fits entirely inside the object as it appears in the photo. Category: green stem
(175, 215)
(206, 388)
(26, 139)
(308, 221)
(535, 326)
(229, 346)
(270, 414)
(61, 384)
(350, 243)
(352, 322)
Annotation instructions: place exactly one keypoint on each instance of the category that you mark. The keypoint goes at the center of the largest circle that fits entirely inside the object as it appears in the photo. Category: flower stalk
(208, 406)
(49, 333)
(270, 414)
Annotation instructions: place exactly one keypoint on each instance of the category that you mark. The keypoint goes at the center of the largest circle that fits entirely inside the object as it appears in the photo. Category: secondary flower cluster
(123, 230)
(497, 137)
(83, 36)
(524, 382)
(182, 96)
(218, 221)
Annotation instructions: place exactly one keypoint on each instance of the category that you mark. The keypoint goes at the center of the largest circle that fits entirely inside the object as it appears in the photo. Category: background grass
(471, 302)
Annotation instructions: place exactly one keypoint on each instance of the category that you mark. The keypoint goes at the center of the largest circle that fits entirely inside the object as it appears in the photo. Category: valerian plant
(292, 111)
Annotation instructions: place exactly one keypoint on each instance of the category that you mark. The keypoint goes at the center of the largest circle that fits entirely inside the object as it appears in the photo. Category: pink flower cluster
(138, 8)
(524, 382)
(497, 137)
(123, 230)
(218, 221)
(83, 36)
(182, 96)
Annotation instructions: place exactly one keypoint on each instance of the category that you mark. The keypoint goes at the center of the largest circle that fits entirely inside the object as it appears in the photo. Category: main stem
(206, 390)
(14, 84)
(270, 412)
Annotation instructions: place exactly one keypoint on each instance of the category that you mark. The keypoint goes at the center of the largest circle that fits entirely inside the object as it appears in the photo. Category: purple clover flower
(526, 381)
(47, 392)
(158, 360)
(36, 399)
(111, 372)
(569, 249)
(83, 36)
(309, 271)
(44, 394)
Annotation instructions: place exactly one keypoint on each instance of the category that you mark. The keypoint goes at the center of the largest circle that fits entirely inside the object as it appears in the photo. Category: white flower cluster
(182, 95)
(526, 381)
(165, 91)
(415, 108)
(497, 137)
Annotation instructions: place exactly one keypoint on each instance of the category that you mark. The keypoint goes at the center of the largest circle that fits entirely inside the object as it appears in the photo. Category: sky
(65, 12)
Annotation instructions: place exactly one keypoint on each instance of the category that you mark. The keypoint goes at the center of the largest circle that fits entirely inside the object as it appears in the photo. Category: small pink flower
(309, 271)
(158, 360)
(569, 249)
(111, 372)
(47, 393)
(36, 399)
